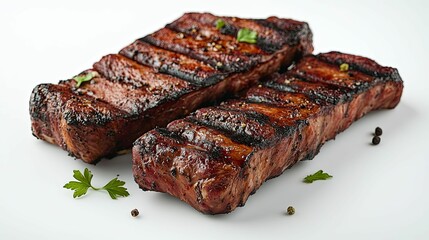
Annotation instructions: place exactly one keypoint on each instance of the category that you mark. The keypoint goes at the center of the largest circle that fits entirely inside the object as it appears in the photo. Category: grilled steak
(159, 78)
(217, 156)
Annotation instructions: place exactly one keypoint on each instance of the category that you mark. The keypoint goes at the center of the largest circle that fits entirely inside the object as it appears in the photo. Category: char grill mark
(215, 50)
(313, 108)
(172, 63)
(121, 95)
(86, 110)
(282, 98)
(251, 129)
(270, 39)
(216, 143)
(118, 68)
(82, 109)
(315, 70)
(361, 64)
(274, 113)
(226, 42)
(316, 90)
(132, 86)
(282, 115)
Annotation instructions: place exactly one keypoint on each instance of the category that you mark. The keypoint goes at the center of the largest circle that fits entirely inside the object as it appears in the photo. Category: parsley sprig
(83, 78)
(114, 187)
(319, 175)
(247, 35)
(220, 23)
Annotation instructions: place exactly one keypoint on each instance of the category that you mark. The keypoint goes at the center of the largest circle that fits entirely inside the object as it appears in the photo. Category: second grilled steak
(216, 157)
(159, 78)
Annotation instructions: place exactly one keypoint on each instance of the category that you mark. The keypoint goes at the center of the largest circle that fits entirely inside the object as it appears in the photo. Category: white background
(377, 192)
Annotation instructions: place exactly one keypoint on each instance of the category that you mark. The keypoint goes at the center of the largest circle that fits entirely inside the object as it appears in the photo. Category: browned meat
(216, 157)
(159, 78)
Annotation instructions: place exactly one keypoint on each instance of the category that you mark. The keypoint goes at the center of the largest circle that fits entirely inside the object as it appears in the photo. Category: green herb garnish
(344, 67)
(83, 78)
(114, 187)
(247, 35)
(220, 23)
(319, 175)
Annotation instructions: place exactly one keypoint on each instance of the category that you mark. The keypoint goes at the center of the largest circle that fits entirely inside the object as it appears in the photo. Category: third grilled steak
(159, 78)
(216, 157)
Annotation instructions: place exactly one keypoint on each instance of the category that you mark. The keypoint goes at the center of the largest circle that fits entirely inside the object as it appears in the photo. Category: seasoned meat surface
(215, 158)
(161, 77)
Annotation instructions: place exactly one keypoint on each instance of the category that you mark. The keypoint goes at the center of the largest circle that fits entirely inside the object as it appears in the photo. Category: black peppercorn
(134, 212)
(290, 210)
(378, 131)
(376, 140)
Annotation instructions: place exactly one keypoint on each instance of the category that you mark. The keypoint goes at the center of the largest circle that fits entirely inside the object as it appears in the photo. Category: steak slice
(215, 158)
(159, 78)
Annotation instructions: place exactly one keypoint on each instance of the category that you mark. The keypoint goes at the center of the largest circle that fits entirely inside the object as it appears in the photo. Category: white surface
(377, 192)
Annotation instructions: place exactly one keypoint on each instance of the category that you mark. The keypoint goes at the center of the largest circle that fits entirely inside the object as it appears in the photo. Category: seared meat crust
(159, 78)
(215, 158)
